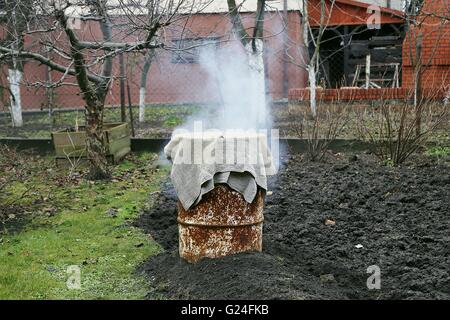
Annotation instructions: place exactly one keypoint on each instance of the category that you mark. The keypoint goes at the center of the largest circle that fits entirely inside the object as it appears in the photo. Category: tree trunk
(143, 84)
(418, 84)
(14, 78)
(94, 94)
(254, 48)
(417, 103)
(123, 110)
(257, 76)
(15, 24)
(96, 150)
(311, 63)
(312, 89)
(142, 94)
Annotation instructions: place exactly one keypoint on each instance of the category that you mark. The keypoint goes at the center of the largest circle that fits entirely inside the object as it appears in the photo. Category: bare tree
(148, 58)
(396, 131)
(91, 62)
(321, 130)
(16, 16)
(416, 16)
(309, 57)
(254, 48)
(391, 128)
(315, 39)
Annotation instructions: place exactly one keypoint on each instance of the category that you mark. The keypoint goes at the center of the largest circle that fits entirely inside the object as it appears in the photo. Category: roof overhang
(349, 12)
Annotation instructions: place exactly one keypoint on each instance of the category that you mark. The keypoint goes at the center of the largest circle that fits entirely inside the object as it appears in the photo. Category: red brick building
(177, 77)
(175, 80)
(434, 30)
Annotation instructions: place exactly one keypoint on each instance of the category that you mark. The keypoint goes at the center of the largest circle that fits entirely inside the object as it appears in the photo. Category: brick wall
(361, 94)
(436, 63)
(173, 83)
(349, 94)
(435, 47)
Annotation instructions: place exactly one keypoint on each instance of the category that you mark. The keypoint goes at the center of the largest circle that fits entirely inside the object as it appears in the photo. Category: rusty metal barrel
(221, 224)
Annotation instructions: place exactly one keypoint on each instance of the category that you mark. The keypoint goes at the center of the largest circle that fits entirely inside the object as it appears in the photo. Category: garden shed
(355, 32)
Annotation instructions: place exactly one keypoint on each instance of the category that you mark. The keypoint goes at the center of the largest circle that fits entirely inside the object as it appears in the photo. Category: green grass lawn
(89, 225)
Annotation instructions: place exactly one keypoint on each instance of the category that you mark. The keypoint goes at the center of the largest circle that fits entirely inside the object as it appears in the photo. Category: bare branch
(45, 61)
(237, 23)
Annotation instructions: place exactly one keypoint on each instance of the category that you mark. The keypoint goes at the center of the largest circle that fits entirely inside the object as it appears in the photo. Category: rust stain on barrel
(222, 223)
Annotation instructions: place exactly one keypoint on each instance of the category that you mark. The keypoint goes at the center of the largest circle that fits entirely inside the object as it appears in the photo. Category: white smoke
(241, 100)
(234, 80)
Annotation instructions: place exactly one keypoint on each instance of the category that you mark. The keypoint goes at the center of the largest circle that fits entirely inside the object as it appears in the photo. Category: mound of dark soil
(395, 218)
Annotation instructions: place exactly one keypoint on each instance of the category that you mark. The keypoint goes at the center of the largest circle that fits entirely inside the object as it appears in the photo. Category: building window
(188, 49)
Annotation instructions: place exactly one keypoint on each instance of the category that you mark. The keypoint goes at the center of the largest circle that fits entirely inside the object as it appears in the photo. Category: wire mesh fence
(173, 79)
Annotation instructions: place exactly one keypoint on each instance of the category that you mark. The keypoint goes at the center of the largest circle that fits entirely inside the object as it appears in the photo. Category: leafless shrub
(397, 130)
(319, 131)
(65, 40)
